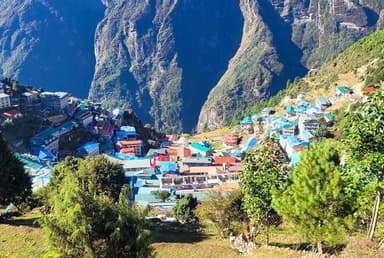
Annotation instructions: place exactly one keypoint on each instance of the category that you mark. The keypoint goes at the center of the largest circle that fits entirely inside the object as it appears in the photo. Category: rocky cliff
(49, 43)
(163, 57)
(180, 64)
(169, 60)
(278, 36)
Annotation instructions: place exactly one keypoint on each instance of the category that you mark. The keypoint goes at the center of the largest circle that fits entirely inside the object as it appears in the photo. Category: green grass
(23, 237)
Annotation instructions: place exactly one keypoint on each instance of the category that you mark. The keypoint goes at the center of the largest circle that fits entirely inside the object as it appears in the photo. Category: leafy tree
(365, 145)
(316, 199)
(184, 208)
(225, 211)
(162, 195)
(15, 183)
(263, 172)
(129, 237)
(322, 131)
(89, 213)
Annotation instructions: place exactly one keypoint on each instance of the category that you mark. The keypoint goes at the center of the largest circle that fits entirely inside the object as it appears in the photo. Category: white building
(5, 100)
(55, 100)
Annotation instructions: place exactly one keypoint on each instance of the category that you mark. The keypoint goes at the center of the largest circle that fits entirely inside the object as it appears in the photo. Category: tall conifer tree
(315, 200)
(15, 183)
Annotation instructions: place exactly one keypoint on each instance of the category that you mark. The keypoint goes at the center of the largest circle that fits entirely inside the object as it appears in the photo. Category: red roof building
(369, 90)
(237, 167)
(159, 157)
(222, 160)
(133, 147)
(10, 114)
(231, 139)
(181, 152)
(172, 151)
(355, 97)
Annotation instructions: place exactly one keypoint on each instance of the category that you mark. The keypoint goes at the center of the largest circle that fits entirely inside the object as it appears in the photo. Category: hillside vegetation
(361, 63)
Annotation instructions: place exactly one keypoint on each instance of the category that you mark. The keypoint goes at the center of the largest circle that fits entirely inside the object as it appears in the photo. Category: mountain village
(172, 163)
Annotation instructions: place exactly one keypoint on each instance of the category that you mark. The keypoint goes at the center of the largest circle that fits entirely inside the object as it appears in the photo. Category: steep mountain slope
(177, 62)
(361, 65)
(162, 57)
(49, 43)
(320, 29)
(166, 56)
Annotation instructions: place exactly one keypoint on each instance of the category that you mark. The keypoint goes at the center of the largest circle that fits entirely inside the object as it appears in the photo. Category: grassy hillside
(22, 237)
(362, 63)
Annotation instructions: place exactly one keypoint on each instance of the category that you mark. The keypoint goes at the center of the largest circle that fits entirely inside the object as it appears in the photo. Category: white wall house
(5, 100)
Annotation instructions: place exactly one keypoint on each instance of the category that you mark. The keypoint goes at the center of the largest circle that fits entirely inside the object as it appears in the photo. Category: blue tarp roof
(249, 144)
(89, 146)
(45, 155)
(295, 141)
(328, 116)
(246, 120)
(295, 158)
(302, 107)
(345, 89)
(166, 166)
(313, 110)
(307, 134)
(123, 156)
(200, 146)
(280, 123)
(235, 153)
(290, 109)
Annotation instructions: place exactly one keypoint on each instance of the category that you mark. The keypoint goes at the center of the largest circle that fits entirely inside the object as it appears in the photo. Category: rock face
(170, 59)
(278, 37)
(163, 57)
(179, 64)
(49, 43)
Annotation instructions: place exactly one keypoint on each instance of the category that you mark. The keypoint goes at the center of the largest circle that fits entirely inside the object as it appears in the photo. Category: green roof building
(343, 90)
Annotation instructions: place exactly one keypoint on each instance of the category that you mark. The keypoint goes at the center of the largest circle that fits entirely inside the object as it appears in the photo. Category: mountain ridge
(182, 65)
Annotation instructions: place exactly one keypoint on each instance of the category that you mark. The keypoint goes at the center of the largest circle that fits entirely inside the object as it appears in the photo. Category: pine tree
(315, 199)
(15, 183)
(90, 215)
(365, 146)
(263, 172)
(184, 208)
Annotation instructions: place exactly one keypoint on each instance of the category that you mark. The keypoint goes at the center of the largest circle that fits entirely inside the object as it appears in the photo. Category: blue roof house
(323, 103)
(47, 157)
(200, 149)
(129, 132)
(343, 91)
(328, 117)
(90, 149)
(290, 110)
(292, 144)
(295, 158)
(246, 120)
(249, 144)
(302, 107)
(166, 167)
